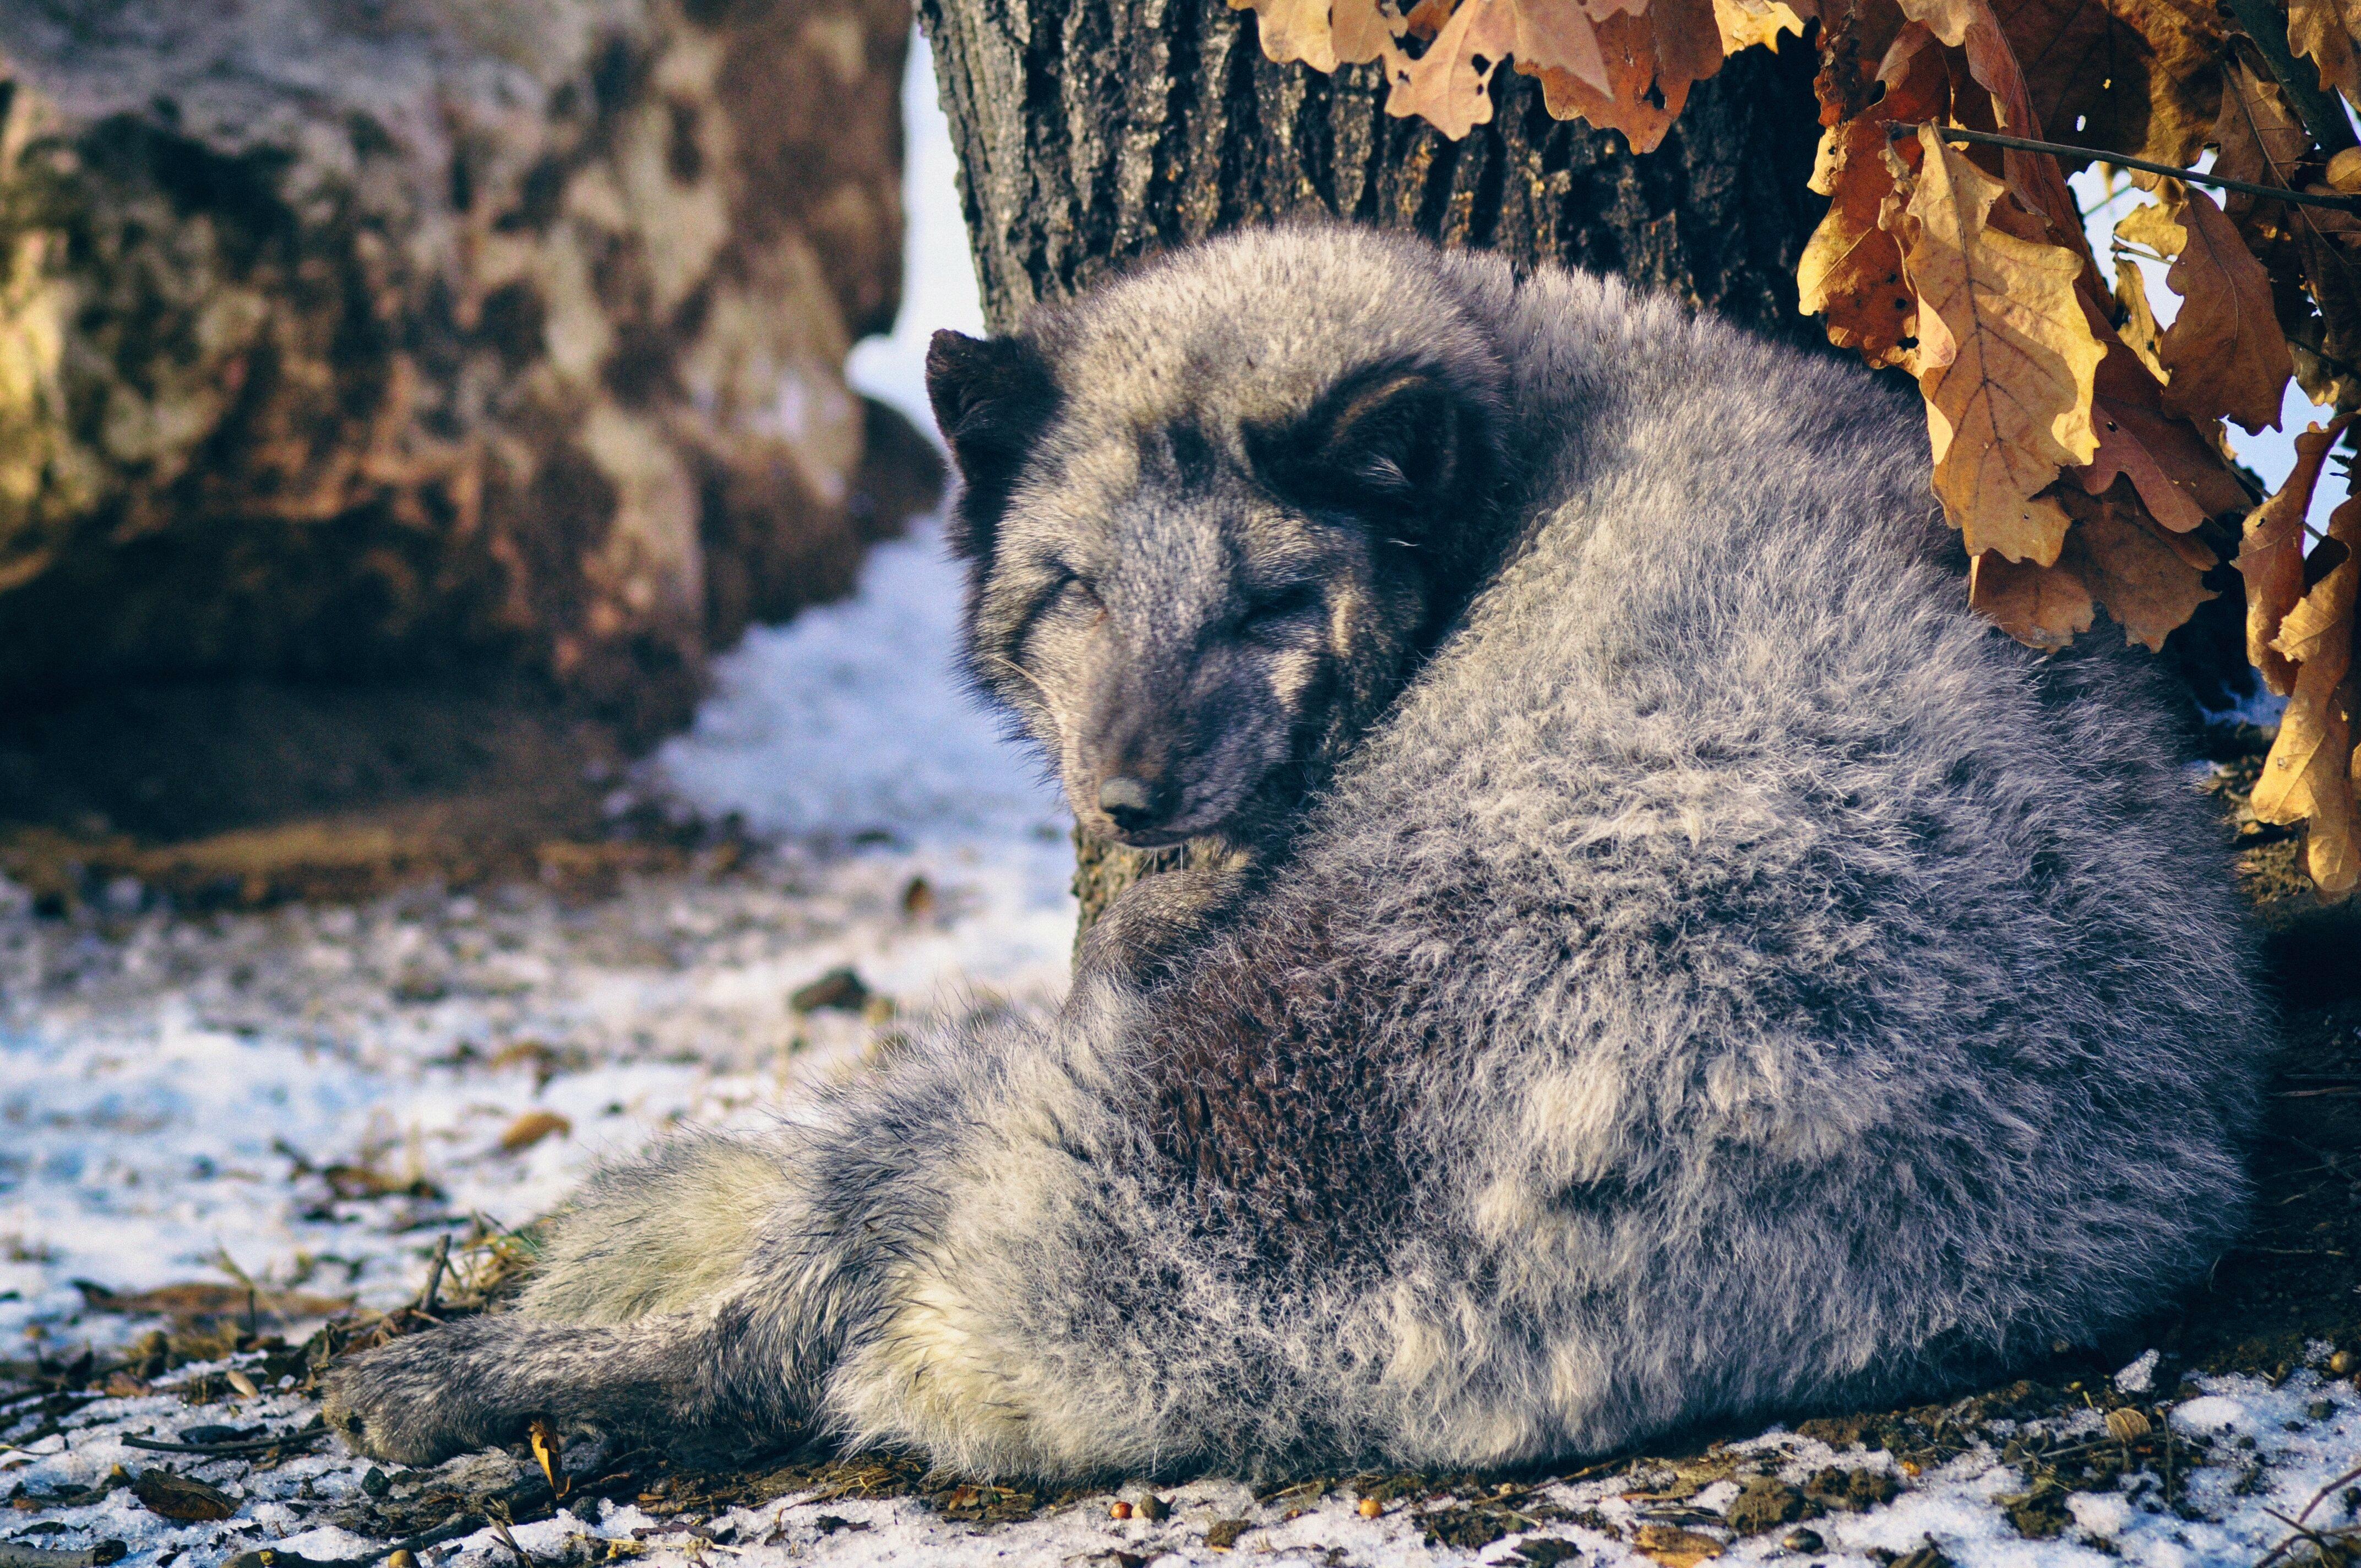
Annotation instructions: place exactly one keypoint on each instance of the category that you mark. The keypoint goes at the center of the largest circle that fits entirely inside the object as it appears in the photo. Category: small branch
(2322, 1496)
(2060, 149)
(2321, 115)
(435, 1277)
(252, 1445)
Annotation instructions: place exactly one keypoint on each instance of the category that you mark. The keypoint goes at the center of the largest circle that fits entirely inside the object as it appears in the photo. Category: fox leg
(424, 1398)
(698, 1291)
(639, 1316)
(1162, 916)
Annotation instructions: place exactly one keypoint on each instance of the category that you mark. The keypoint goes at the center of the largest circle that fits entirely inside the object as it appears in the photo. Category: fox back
(1651, 954)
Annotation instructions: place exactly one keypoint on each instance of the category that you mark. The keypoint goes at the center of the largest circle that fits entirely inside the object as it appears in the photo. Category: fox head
(1215, 512)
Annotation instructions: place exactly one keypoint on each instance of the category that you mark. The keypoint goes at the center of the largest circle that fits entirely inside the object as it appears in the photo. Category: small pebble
(2321, 1410)
(1802, 1540)
(1371, 1507)
(2344, 1364)
(1121, 1511)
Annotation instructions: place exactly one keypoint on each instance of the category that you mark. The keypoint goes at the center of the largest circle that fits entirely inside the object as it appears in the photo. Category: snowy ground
(214, 1099)
(173, 1091)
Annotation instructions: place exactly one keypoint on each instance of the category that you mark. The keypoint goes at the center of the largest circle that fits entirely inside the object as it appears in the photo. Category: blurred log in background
(396, 394)
(364, 337)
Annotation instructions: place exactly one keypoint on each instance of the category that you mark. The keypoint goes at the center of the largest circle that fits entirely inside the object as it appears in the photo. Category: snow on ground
(172, 1087)
(167, 1077)
(164, 1080)
(169, 1086)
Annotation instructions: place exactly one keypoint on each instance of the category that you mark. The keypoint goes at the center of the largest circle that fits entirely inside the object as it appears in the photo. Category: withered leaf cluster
(2080, 449)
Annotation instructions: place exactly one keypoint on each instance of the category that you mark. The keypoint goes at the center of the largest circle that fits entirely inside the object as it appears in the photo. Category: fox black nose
(1127, 801)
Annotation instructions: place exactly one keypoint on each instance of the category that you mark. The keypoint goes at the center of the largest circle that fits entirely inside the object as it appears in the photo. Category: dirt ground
(493, 792)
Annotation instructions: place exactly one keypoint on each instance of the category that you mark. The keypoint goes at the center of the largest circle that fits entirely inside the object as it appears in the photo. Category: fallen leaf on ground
(205, 1298)
(360, 1182)
(550, 1454)
(531, 1129)
(842, 989)
(1674, 1547)
(179, 1497)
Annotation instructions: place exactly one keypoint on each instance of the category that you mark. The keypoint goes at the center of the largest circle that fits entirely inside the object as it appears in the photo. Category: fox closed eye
(1283, 610)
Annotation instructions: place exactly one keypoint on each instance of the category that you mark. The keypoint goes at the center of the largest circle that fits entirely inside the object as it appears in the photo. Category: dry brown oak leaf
(2140, 77)
(1745, 23)
(1445, 84)
(2223, 356)
(1973, 28)
(2324, 31)
(2270, 557)
(2150, 579)
(1353, 34)
(2041, 607)
(2308, 777)
(2139, 331)
(1653, 58)
(2005, 359)
(1851, 273)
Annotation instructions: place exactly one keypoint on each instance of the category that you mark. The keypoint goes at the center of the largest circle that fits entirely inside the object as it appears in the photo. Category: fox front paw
(413, 1402)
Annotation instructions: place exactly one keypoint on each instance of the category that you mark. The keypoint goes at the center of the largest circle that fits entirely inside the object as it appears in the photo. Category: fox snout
(1139, 767)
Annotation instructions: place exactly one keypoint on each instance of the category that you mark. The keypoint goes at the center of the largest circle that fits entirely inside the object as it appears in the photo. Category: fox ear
(993, 398)
(1394, 440)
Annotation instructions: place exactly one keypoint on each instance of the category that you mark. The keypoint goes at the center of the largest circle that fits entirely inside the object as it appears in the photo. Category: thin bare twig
(2062, 149)
(435, 1276)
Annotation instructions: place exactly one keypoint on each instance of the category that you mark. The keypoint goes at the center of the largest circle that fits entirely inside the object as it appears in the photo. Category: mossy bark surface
(1094, 131)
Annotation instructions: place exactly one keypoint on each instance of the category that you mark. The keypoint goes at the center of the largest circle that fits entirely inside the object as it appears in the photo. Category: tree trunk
(1093, 131)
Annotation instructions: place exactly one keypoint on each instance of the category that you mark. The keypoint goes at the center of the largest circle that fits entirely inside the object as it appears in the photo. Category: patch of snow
(2233, 1492)
(2140, 1376)
(851, 719)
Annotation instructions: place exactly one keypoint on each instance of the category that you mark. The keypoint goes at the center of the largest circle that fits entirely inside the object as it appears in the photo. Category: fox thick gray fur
(1658, 956)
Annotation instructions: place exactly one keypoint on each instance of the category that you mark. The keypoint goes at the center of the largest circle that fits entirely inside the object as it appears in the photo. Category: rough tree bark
(1092, 132)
